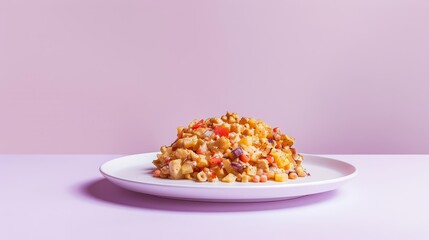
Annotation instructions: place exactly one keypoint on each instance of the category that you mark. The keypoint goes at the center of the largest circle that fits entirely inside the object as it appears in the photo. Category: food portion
(230, 149)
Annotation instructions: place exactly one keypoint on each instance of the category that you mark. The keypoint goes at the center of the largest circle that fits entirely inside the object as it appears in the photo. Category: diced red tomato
(276, 129)
(198, 124)
(270, 159)
(244, 158)
(278, 145)
(214, 161)
(214, 175)
(221, 131)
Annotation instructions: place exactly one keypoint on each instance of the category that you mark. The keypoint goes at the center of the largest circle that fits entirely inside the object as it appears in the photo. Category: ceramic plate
(134, 172)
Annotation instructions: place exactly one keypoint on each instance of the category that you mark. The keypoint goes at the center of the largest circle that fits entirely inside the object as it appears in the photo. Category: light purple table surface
(65, 197)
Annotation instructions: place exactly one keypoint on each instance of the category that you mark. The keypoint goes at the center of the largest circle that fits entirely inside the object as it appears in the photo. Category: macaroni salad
(230, 149)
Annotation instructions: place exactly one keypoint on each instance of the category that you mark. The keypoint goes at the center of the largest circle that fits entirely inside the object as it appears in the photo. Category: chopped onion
(208, 133)
(237, 152)
(237, 166)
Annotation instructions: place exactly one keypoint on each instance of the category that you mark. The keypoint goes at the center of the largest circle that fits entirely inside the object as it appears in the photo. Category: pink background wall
(118, 76)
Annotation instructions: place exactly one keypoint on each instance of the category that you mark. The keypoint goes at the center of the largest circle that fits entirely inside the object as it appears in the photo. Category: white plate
(134, 172)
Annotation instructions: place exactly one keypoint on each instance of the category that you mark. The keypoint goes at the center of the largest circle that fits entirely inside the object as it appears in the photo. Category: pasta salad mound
(230, 149)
